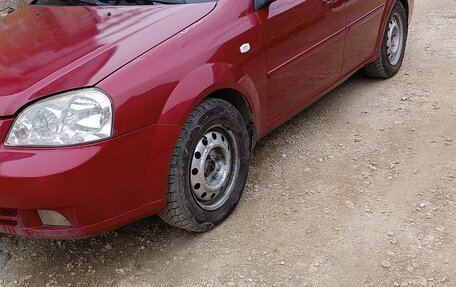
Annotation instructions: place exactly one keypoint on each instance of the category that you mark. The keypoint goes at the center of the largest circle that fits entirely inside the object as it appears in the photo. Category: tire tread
(380, 68)
(174, 213)
(376, 69)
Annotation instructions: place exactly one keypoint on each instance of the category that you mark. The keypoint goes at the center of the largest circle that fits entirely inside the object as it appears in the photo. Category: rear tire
(392, 51)
(209, 167)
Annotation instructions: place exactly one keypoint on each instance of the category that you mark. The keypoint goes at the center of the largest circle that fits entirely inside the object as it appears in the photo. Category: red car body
(157, 62)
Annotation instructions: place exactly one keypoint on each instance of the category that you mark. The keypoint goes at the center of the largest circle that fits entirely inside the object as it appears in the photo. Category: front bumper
(96, 187)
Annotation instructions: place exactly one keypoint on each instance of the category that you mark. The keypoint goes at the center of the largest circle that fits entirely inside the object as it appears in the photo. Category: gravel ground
(358, 190)
(9, 6)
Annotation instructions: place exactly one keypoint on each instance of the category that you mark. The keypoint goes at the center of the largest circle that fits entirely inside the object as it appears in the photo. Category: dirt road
(358, 190)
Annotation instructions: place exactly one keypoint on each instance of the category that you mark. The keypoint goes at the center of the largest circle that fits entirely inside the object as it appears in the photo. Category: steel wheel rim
(214, 168)
(395, 39)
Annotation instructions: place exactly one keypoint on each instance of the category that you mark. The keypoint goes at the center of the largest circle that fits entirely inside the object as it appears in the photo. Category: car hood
(46, 50)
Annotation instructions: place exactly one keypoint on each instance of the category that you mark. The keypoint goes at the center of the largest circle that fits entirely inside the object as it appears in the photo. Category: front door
(304, 49)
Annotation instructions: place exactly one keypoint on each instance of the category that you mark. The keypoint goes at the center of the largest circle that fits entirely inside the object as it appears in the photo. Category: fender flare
(201, 83)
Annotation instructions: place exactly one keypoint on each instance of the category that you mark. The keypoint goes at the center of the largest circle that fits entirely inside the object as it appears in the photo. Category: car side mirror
(260, 4)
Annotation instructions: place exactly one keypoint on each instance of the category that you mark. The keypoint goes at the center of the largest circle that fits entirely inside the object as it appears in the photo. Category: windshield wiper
(93, 2)
(171, 2)
(114, 2)
(101, 3)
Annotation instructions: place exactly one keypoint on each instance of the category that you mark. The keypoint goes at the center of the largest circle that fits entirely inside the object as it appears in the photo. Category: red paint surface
(157, 63)
(60, 48)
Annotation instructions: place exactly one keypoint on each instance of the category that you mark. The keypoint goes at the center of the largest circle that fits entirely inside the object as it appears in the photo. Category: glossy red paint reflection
(60, 48)
(157, 63)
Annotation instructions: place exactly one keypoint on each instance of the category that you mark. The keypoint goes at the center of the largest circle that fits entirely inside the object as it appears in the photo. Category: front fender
(201, 83)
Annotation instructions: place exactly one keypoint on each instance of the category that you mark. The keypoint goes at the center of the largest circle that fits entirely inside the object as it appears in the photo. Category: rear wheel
(392, 50)
(209, 167)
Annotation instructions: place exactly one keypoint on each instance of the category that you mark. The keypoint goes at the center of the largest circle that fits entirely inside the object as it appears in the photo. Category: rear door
(304, 49)
(364, 18)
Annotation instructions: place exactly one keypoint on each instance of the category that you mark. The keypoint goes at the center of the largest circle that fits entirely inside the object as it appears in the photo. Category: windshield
(115, 2)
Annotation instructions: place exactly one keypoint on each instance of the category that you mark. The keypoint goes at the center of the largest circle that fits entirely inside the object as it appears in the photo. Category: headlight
(71, 118)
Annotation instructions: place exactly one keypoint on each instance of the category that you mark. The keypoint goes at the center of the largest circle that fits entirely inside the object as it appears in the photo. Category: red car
(114, 111)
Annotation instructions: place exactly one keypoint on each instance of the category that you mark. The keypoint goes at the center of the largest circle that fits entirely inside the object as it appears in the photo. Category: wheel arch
(216, 80)
(239, 101)
(408, 6)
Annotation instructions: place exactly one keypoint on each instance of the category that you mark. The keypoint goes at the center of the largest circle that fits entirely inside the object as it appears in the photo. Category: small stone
(282, 262)
(386, 264)
(120, 271)
(404, 99)
(390, 234)
(423, 204)
(320, 159)
(440, 229)
(108, 246)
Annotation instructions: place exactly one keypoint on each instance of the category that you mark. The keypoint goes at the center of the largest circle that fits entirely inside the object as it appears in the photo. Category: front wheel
(392, 50)
(209, 167)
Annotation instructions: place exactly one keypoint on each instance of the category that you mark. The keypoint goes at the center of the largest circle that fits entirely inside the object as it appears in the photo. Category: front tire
(393, 46)
(209, 167)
